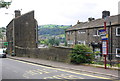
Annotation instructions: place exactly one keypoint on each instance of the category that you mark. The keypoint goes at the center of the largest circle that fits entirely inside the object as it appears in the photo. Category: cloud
(60, 11)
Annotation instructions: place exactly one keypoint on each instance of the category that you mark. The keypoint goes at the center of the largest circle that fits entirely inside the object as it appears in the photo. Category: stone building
(22, 32)
(88, 33)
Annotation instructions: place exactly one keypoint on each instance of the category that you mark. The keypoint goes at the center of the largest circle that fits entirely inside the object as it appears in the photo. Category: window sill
(117, 55)
(96, 35)
(118, 35)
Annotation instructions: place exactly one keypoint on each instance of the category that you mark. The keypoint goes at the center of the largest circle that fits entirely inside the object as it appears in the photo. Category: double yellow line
(62, 70)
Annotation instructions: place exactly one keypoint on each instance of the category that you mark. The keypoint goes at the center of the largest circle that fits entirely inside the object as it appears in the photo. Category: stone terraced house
(87, 33)
(22, 32)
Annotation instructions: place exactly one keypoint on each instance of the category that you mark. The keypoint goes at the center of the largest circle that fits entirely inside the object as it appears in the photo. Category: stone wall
(52, 53)
(22, 32)
(25, 30)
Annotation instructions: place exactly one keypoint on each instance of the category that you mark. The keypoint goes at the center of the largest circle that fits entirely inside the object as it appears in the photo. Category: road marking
(63, 76)
(61, 70)
(36, 72)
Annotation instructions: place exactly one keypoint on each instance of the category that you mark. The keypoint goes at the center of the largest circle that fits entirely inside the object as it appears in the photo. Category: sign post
(104, 37)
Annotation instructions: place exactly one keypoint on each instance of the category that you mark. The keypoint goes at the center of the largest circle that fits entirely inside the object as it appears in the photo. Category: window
(68, 33)
(96, 33)
(71, 32)
(81, 31)
(81, 42)
(118, 31)
(117, 52)
(70, 42)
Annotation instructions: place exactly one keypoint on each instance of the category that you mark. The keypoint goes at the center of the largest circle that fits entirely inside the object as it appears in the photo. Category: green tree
(54, 41)
(81, 54)
(51, 41)
(4, 4)
(45, 42)
(1, 35)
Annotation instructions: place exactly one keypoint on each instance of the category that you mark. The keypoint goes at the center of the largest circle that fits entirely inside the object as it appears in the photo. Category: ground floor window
(117, 52)
(81, 42)
(70, 42)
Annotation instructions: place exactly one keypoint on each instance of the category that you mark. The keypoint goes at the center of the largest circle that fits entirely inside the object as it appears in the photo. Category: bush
(81, 54)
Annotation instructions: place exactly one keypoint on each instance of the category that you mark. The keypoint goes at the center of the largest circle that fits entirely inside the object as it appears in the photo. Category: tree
(54, 41)
(81, 54)
(4, 4)
(45, 42)
(3, 29)
(51, 41)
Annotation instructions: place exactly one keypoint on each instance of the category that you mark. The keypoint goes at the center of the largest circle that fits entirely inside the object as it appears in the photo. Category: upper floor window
(96, 32)
(81, 31)
(117, 52)
(71, 32)
(68, 33)
(118, 31)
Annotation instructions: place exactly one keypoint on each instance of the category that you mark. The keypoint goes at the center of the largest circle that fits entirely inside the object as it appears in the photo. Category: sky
(60, 12)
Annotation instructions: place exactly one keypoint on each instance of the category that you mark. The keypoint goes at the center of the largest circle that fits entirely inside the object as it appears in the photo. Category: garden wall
(52, 53)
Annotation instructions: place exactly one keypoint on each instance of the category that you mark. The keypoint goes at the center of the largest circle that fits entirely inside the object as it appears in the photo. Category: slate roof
(96, 23)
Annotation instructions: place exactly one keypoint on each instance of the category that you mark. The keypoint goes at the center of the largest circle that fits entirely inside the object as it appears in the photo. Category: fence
(112, 60)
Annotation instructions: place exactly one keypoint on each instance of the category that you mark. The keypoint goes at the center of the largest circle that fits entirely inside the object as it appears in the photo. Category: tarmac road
(15, 69)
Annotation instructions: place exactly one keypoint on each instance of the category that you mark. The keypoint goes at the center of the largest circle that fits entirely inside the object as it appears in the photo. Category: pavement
(95, 69)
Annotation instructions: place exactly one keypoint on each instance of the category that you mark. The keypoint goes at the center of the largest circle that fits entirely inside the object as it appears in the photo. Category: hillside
(51, 29)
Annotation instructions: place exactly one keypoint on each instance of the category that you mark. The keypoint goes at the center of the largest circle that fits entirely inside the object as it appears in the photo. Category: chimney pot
(91, 19)
(105, 14)
(17, 13)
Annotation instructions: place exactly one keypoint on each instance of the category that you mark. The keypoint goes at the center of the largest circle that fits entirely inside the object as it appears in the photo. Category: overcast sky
(61, 12)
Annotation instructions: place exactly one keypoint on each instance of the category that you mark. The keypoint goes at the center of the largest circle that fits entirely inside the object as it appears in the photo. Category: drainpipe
(75, 37)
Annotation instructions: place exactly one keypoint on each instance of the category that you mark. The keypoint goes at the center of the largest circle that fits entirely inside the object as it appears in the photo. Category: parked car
(13, 54)
(2, 53)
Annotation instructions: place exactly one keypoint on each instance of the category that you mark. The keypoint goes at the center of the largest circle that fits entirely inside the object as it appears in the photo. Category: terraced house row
(87, 33)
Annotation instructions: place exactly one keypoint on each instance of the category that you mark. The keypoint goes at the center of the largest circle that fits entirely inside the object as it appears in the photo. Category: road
(15, 69)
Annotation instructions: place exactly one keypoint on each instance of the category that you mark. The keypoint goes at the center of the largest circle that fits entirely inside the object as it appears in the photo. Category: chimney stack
(91, 19)
(78, 22)
(105, 14)
(17, 13)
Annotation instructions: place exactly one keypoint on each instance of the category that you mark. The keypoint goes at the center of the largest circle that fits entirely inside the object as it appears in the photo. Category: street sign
(104, 44)
(5, 43)
(104, 50)
(104, 36)
(104, 47)
(102, 30)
